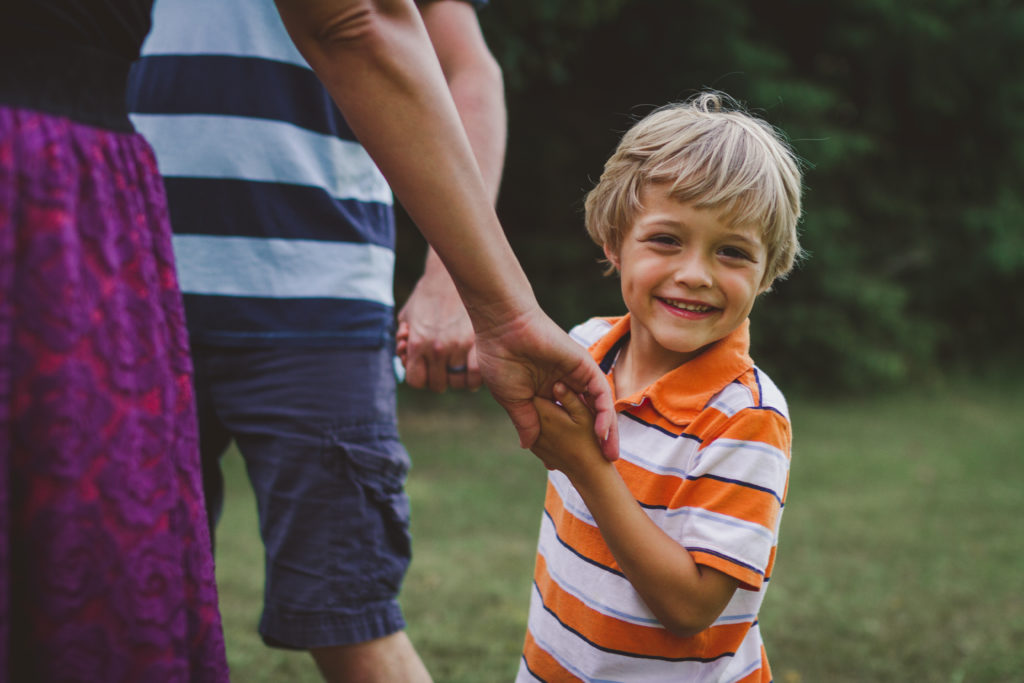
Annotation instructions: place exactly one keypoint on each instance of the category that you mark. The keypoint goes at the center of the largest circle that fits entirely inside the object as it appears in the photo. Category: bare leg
(391, 659)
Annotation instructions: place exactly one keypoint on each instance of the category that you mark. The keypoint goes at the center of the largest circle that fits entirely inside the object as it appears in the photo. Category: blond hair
(711, 153)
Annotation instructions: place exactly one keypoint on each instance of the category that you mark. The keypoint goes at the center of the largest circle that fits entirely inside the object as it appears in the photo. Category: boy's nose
(693, 271)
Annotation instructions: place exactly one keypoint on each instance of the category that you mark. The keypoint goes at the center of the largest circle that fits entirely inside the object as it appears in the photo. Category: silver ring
(456, 369)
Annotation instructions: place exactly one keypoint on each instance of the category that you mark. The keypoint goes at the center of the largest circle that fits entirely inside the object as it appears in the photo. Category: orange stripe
(649, 487)
(727, 498)
(771, 563)
(544, 665)
(764, 426)
(748, 578)
(621, 636)
(584, 538)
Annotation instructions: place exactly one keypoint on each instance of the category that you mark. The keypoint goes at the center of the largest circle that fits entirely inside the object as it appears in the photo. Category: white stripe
(676, 523)
(654, 450)
(280, 268)
(571, 499)
(771, 396)
(261, 150)
(746, 544)
(753, 462)
(237, 28)
(588, 332)
(601, 590)
(732, 399)
(742, 607)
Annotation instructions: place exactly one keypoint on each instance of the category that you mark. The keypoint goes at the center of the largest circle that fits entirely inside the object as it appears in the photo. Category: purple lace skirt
(106, 571)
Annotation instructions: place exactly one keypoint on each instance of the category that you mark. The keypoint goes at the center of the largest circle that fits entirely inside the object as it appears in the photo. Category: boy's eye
(663, 239)
(734, 252)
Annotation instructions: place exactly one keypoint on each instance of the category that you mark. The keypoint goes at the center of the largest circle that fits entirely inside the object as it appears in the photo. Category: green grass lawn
(901, 557)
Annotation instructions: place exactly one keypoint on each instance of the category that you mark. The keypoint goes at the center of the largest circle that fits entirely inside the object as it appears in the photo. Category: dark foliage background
(909, 117)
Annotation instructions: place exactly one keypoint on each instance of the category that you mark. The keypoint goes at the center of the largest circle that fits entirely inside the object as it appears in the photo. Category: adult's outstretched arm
(376, 60)
(434, 330)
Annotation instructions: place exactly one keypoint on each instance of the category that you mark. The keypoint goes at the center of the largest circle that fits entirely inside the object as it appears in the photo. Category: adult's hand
(435, 335)
(525, 357)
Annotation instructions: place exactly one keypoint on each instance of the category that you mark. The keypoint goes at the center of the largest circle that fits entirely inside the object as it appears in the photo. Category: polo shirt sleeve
(734, 493)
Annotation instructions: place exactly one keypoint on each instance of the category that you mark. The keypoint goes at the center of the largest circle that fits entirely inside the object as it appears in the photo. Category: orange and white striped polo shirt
(705, 451)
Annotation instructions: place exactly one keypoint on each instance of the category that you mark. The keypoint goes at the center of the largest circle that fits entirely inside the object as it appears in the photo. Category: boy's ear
(612, 257)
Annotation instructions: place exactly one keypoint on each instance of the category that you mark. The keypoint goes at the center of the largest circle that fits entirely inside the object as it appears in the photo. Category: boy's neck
(632, 375)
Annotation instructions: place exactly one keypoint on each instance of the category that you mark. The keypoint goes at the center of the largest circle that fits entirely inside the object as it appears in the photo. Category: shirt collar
(683, 393)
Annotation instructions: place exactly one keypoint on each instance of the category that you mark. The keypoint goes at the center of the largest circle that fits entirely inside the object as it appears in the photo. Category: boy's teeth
(696, 308)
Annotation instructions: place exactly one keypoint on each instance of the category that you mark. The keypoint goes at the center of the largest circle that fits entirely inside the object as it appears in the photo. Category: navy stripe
(738, 482)
(624, 653)
(224, 85)
(242, 208)
(729, 559)
(661, 429)
(760, 390)
(609, 357)
(335, 323)
(771, 409)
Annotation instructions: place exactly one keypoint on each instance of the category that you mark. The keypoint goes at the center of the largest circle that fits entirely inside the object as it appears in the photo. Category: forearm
(684, 596)
(377, 62)
(475, 81)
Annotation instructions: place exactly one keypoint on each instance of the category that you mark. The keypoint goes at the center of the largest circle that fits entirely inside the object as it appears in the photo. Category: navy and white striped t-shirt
(283, 225)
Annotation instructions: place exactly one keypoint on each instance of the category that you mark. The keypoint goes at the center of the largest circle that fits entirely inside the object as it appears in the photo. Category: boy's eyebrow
(757, 241)
(731, 234)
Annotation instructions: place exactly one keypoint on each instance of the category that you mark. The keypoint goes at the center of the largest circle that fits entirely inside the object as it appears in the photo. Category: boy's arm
(686, 597)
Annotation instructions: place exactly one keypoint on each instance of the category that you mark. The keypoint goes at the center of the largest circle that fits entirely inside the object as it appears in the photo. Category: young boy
(653, 567)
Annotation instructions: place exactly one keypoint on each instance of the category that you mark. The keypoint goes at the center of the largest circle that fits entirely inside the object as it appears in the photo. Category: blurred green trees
(909, 116)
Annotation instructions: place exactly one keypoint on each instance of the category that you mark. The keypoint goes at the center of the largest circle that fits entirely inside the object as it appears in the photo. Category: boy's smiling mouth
(689, 306)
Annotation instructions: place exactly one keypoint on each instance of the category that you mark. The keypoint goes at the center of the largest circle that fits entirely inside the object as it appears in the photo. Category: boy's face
(688, 278)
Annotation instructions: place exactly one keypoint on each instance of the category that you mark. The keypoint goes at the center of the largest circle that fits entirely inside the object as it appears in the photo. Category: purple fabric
(106, 571)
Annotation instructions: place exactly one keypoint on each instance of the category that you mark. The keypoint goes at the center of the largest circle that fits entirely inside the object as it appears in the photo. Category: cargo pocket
(372, 458)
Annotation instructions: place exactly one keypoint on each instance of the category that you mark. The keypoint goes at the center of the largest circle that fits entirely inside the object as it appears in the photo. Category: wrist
(593, 475)
(512, 316)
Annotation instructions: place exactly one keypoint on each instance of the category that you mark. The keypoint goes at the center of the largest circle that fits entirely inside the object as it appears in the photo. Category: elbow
(327, 26)
(356, 24)
(685, 628)
(685, 621)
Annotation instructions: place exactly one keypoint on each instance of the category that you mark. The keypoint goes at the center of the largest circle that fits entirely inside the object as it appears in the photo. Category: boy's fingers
(577, 409)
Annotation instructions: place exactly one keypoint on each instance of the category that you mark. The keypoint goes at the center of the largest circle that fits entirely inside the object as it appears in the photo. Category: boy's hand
(521, 359)
(567, 441)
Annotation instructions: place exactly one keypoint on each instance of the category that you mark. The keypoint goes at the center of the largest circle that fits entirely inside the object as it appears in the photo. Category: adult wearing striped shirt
(284, 240)
(653, 567)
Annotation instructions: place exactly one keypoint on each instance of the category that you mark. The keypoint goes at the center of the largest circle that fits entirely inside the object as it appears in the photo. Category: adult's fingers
(599, 397)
